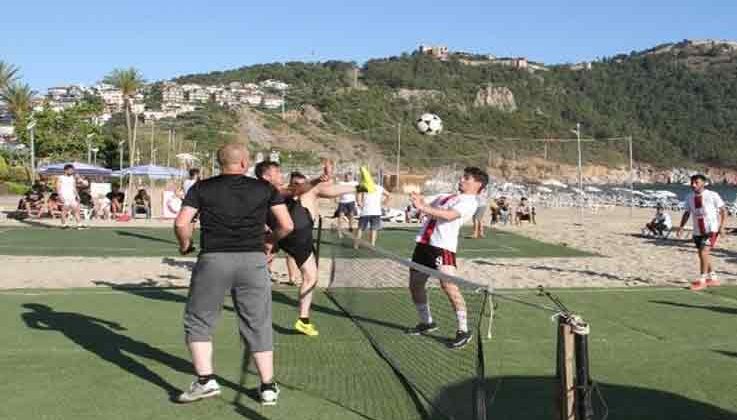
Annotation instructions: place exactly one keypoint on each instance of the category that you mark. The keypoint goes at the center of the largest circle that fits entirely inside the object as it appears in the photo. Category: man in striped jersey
(708, 213)
(436, 246)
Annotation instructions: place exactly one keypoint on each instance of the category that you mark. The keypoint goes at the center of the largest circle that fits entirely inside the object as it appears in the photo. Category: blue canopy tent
(152, 172)
(83, 169)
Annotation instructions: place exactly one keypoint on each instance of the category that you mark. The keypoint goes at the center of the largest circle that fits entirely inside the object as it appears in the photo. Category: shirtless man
(301, 198)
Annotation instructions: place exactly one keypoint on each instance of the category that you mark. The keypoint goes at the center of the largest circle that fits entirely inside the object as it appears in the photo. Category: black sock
(305, 320)
(203, 379)
(266, 386)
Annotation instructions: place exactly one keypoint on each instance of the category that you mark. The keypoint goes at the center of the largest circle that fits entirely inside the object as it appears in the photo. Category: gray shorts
(369, 223)
(245, 276)
(479, 214)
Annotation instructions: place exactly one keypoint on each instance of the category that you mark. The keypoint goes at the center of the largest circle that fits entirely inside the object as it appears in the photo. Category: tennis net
(371, 286)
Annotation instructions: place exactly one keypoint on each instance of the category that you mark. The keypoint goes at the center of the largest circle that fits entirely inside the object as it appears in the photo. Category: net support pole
(584, 409)
(632, 177)
(566, 401)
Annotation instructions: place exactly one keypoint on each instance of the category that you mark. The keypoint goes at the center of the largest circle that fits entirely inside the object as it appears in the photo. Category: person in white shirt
(436, 246)
(370, 219)
(661, 223)
(708, 214)
(346, 204)
(478, 216)
(66, 187)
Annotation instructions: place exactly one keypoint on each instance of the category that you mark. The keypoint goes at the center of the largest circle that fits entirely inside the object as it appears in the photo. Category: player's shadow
(172, 262)
(143, 236)
(726, 353)
(720, 309)
(532, 397)
(103, 339)
(548, 268)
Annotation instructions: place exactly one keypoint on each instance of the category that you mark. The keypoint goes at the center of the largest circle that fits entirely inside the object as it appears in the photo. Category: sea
(726, 191)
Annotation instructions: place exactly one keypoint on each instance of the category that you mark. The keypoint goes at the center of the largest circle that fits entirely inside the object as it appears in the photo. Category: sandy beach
(623, 259)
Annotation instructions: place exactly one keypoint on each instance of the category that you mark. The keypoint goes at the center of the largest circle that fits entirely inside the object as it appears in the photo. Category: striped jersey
(444, 234)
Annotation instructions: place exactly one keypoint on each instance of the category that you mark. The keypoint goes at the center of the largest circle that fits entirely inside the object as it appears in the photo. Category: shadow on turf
(721, 309)
(102, 338)
(565, 270)
(146, 237)
(726, 353)
(532, 397)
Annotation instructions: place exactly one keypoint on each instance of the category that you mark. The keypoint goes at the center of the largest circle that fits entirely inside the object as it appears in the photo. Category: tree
(129, 81)
(18, 97)
(8, 74)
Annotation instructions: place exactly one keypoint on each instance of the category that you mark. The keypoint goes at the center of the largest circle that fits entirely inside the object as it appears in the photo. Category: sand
(624, 259)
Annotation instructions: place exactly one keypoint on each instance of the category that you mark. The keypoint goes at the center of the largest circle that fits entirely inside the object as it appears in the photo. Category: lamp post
(32, 130)
(120, 154)
(577, 131)
(94, 155)
(88, 138)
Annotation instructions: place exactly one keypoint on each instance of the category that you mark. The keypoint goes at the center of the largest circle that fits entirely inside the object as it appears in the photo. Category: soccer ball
(429, 124)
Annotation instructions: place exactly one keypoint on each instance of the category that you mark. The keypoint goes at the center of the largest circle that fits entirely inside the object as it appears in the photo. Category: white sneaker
(269, 394)
(198, 392)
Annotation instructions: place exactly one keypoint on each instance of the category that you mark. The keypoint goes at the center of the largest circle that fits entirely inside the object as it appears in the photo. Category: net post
(565, 403)
(480, 397)
(584, 408)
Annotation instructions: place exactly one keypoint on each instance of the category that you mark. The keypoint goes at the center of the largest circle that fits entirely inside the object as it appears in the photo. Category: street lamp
(31, 127)
(94, 155)
(89, 147)
(120, 148)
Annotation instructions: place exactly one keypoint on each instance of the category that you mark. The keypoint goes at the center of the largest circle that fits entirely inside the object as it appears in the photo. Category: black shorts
(523, 217)
(346, 209)
(299, 245)
(702, 241)
(433, 257)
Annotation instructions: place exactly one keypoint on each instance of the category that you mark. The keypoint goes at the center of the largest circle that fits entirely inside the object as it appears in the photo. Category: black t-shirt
(233, 211)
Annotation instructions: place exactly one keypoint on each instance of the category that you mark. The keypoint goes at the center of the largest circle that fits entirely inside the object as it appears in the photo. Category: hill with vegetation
(678, 102)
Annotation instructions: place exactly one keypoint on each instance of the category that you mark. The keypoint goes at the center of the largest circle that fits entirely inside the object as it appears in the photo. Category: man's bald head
(233, 158)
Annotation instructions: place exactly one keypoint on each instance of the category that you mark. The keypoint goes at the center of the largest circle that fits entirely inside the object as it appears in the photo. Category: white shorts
(69, 201)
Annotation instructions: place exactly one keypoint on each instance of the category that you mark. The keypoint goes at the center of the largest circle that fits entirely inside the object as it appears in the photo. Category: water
(727, 192)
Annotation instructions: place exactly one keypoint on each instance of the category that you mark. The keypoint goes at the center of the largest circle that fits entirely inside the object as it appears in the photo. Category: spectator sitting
(32, 203)
(524, 212)
(494, 210)
(116, 198)
(102, 207)
(661, 224)
(53, 204)
(141, 204)
(503, 207)
(85, 201)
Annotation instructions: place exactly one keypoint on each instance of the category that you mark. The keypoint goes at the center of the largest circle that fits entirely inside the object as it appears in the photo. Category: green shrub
(16, 188)
(3, 168)
(18, 174)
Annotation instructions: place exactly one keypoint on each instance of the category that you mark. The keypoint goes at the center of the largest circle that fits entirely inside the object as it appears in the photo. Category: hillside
(677, 101)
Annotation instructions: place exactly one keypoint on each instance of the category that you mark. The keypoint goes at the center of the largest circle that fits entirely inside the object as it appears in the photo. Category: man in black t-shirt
(232, 210)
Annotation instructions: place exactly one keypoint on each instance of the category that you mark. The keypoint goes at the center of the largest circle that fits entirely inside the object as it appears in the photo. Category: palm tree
(18, 97)
(129, 81)
(8, 74)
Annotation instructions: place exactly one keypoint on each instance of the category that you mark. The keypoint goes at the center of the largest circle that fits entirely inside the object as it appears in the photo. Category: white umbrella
(592, 189)
(544, 189)
(663, 193)
(554, 183)
(153, 172)
(187, 157)
(640, 193)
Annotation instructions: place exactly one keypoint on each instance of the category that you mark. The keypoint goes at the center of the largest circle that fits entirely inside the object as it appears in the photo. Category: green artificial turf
(118, 354)
(160, 242)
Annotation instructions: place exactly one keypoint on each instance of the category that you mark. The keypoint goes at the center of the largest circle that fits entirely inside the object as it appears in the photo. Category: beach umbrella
(186, 157)
(544, 189)
(667, 194)
(592, 189)
(554, 183)
(638, 193)
(153, 172)
(83, 169)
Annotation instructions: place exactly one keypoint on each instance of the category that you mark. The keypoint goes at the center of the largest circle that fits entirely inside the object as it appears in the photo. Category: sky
(80, 41)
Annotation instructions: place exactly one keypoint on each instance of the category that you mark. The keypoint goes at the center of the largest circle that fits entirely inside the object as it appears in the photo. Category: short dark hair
(694, 177)
(296, 175)
(194, 171)
(523, 199)
(264, 166)
(478, 174)
(68, 166)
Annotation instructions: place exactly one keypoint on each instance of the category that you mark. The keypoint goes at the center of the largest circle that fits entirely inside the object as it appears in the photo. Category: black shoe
(462, 338)
(422, 328)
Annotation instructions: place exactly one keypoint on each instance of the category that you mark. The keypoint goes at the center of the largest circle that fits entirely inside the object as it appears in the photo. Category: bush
(18, 174)
(3, 168)
(15, 188)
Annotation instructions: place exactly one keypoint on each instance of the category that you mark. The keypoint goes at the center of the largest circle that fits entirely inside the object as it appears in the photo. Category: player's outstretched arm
(441, 214)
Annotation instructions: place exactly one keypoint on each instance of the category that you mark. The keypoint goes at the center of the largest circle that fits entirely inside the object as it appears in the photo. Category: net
(370, 285)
